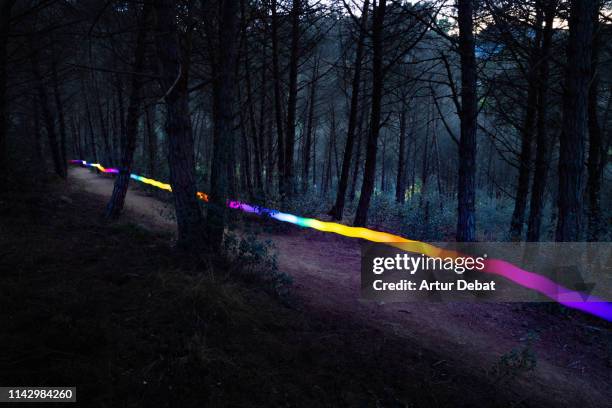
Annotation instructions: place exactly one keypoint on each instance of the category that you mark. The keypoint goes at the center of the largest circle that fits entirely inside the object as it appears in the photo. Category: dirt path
(571, 354)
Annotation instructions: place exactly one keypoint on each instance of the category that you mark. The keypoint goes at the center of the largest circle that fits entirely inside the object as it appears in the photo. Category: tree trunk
(174, 71)
(543, 144)
(466, 194)
(128, 146)
(60, 113)
(310, 126)
(103, 129)
(522, 188)
(47, 116)
(383, 165)
(257, 147)
(425, 162)
(357, 165)
(278, 102)
(92, 136)
(338, 208)
(575, 118)
(151, 139)
(289, 185)
(369, 173)
(400, 185)
(223, 133)
(594, 168)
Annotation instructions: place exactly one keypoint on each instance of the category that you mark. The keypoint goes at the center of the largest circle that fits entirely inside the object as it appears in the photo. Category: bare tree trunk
(357, 165)
(289, 185)
(327, 175)
(265, 139)
(438, 169)
(245, 168)
(60, 113)
(369, 172)
(174, 71)
(223, 110)
(522, 188)
(338, 208)
(151, 139)
(383, 165)
(47, 117)
(400, 185)
(117, 200)
(575, 119)
(425, 162)
(92, 137)
(307, 153)
(314, 159)
(278, 102)
(543, 150)
(76, 138)
(103, 128)
(594, 168)
(257, 147)
(122, 118)
(466, 194)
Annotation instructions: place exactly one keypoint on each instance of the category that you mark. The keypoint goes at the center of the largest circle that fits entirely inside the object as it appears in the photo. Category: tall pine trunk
(174, 70)
(307, 153)
(289, 185)
(43, 98)
(594, 167)
(278, 112)
(338, 208)
(543, 150)
(466, 186)
(369, 173)
(400, 184)
(117, 200)
(575, 121)
(527, 131)
(223, 133)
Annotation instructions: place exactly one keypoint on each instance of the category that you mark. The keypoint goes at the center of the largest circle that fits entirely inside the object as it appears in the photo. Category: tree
(595, 159)
(43, 99)
(527, 131)
(543, 149)
(575, 120)
(338, 208)
(288, 184)
(117, 200)
(174, 71)
(223, 112)
(466, 194)
(369, 173)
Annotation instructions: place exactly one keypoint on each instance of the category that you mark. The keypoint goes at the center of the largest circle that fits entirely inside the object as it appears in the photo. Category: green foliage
(518, 360)
(255, 260)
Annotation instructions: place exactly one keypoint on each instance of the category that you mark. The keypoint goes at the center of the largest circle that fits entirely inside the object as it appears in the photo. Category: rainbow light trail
(530, 280)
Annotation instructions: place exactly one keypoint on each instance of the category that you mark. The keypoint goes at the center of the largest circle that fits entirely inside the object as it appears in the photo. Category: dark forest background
(483, 120)
(437, 120)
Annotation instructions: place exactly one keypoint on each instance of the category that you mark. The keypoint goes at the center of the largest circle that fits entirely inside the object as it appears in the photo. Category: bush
(255, 261)
(517, 361)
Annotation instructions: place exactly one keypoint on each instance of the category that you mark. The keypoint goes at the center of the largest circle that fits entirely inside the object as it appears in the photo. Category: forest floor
(107, 304)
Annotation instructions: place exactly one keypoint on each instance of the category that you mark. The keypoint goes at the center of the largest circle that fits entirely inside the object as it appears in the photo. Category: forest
(438, 121)
(486, 121)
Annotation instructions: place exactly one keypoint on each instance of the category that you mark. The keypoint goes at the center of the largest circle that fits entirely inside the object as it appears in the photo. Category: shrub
(255, 261)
